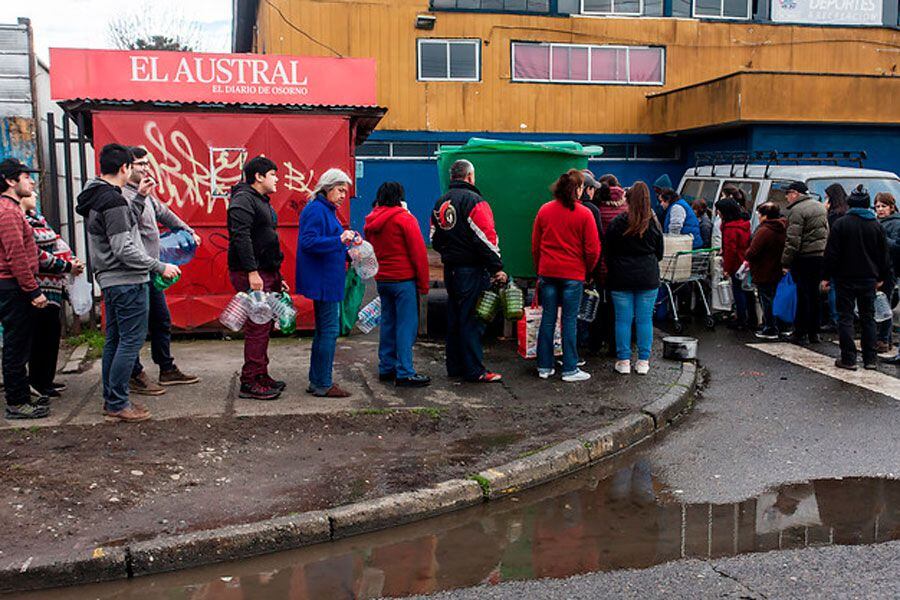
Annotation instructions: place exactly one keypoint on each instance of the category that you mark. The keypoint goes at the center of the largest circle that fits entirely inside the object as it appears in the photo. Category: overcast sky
(83, 23)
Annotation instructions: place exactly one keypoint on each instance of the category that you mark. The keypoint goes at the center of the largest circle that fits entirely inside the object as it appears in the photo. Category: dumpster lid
(487, 145)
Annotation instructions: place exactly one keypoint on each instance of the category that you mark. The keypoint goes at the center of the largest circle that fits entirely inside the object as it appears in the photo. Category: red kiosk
(200, 117)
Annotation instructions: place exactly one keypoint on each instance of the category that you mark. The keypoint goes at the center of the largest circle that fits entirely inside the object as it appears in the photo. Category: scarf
(867, 214)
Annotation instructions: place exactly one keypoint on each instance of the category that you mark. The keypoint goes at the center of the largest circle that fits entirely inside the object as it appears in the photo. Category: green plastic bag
(354, 290)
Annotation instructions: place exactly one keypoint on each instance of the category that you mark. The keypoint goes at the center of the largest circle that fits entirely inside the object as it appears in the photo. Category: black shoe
(41, 400)
(27, 411)
(799, 339)
(870, 367)
(389, 376)
(842, 365)
(258, 391)
(766, 335)
(52, 393)
(275, 384)
(416, 381)
(894, 360)
(59, 387)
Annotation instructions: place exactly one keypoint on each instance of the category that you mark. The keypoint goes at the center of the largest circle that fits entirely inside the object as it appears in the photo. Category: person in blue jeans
(122, 267)
(633, 247)
(321, 269)
(402, 275)
(565, 248)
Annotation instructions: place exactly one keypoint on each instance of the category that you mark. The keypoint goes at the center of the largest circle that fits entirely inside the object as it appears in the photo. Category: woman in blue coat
(322, 246)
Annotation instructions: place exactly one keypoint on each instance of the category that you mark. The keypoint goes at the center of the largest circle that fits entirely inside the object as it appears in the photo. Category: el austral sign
(199, 77)
(828, 12)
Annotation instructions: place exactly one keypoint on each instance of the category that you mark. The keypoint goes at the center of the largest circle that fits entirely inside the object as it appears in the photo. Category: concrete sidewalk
(218, 364)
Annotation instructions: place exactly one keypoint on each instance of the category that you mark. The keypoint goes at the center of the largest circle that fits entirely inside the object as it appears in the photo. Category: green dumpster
(515, 178)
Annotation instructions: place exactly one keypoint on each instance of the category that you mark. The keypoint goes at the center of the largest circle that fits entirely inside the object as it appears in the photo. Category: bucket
(680, 348)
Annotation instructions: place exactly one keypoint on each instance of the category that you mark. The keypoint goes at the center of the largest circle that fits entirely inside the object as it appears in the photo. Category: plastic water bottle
(513, 302)
(235, 314)
(369, 316)
(284, 312)
(177, 247)
(488, 305)
(362, 254)
(162, 284)
(260, 311)
(590, 302)
(883, 310)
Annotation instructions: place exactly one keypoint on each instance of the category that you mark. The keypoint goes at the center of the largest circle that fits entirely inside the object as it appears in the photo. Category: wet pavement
(616, 516)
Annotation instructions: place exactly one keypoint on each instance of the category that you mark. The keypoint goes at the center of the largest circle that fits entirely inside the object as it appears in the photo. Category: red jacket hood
(616, 194)
(381, 216)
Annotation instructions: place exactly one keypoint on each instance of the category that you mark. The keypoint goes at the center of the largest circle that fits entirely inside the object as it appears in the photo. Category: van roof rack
(744, 158)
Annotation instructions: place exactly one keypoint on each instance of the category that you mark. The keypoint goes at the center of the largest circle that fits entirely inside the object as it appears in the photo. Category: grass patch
(94, 340)
(536, 450)
(483, 482)
(434, 413)
(373, 411)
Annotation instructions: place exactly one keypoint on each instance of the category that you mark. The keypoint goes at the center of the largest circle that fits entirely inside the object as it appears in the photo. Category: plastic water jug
(725, 293)
(162, 284)
(362, 255)
(284, 312)
(590, 301)
(369, 316)
(260, 311)
(488, 305)
(177, 247)
(883, 310)
(513, 301)
(235, 314)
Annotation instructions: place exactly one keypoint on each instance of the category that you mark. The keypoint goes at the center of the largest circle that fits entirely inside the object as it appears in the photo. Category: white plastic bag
(81, 294)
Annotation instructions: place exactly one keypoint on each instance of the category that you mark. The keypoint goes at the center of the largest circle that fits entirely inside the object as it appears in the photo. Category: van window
(776, 194)
(701, 188)
(750, 189)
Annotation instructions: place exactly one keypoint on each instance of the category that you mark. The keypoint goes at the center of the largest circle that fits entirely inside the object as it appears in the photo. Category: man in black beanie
(856, 258)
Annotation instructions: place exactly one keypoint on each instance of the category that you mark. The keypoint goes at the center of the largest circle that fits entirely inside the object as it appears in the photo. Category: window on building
(528, 6)
(722, 9)
(612, 7)
(398, 150)
(449, 60)
(568, 63)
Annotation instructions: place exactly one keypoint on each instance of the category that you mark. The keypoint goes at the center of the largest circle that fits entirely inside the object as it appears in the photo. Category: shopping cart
(687, 270)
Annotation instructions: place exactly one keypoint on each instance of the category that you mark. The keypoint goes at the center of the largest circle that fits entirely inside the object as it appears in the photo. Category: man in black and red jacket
(463, 232)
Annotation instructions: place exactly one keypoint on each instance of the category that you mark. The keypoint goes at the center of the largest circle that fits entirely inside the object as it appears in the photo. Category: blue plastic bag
(784, 306)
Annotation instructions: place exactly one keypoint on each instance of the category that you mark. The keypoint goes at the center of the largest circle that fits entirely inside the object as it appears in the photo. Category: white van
(767, 181)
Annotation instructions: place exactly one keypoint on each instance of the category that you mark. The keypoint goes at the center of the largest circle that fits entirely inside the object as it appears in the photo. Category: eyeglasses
(140, 163)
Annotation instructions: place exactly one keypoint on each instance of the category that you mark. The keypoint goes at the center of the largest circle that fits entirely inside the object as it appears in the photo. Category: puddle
(613, 517)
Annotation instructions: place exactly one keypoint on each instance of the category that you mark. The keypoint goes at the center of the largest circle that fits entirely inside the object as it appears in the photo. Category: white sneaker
(623, 367)
(642, 367)
(546, 373)
(578, 375)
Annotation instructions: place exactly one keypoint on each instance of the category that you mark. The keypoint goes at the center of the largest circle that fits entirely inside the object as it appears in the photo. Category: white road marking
(870, 380)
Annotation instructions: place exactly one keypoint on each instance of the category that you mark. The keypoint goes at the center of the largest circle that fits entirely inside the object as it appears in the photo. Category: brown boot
(143, 386)
(176, 377)
(336, 391)
(129, 414)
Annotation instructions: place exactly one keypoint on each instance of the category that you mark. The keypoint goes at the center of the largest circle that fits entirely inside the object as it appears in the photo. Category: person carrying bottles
(565, 247)
(160, 321)
(463, 232)
(254, 263)
(402, 275)
(322, 245)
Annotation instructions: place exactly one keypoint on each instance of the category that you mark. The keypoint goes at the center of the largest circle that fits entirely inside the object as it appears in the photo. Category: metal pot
(680, 348)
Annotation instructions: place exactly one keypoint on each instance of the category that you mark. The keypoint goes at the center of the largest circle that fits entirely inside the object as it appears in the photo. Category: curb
(284, 533)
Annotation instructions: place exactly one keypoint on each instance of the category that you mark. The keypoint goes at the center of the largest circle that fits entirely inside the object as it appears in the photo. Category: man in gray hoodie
(121, 267)
(160, 320)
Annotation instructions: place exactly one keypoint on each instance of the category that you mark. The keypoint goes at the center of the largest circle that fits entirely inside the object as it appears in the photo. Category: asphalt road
(762, 422)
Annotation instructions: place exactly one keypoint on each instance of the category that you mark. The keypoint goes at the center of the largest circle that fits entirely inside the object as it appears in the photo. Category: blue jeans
(321, 362)
(554, 293)
(160, 327)
(464, 329)
(634, 307)
(399, 326)
(126, 329)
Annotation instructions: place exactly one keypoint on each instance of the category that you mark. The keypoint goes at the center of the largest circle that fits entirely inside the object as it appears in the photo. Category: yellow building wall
(695, 51)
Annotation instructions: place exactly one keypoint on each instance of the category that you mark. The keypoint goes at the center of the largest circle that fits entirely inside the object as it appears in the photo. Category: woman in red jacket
(565, 247)
(735, 241)
(402, 271)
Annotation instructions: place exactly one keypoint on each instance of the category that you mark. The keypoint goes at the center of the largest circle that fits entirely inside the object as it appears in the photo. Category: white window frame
(590, 48)
(721, 11)
(614, 12)
(448, 41)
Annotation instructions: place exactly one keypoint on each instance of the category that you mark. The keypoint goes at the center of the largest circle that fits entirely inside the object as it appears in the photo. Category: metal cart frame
(674, 275)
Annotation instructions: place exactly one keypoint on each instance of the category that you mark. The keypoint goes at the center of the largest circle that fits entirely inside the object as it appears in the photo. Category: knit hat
(662, 182)
(859, 198)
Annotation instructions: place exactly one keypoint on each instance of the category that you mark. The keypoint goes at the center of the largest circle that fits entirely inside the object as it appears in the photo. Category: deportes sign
(196, 77)
(828, 12)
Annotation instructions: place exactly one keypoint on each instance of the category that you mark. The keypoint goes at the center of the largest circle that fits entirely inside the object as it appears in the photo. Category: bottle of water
(177, 247)
(883, 310)
(260, 311)
(235, 314)
(162, 284)
(362, 254)
(370, 315)
(590, 302)
(284, 312)
(513, 302)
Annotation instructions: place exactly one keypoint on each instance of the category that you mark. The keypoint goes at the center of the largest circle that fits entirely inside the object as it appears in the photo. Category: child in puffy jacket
(735, 241)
